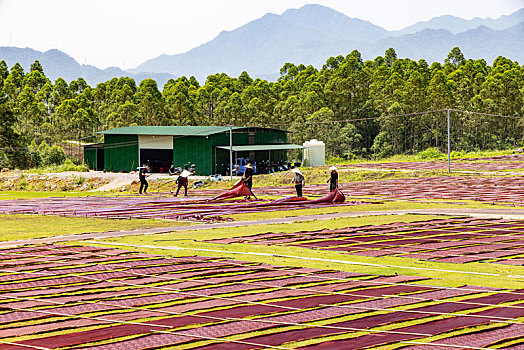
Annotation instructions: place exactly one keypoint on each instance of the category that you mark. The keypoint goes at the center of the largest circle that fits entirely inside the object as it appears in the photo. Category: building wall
(223, 139)
(221, 157)
(239, 139)
(90, 157)
(121, 152)
(195, 150)
(270, 137)
(220, 161)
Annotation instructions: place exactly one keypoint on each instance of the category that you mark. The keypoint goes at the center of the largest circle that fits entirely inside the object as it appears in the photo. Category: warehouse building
(124, 149)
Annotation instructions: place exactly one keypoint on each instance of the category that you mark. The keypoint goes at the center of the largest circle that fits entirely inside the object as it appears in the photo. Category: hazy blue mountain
(434, 45)
(457, 25)
(262, 46)
(58, 64)
(308, 35)
(313, 33)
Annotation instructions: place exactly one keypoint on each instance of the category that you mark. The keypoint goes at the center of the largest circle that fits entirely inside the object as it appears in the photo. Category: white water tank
(314, 153)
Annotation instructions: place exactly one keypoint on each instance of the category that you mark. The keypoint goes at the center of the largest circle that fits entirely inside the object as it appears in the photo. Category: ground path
(476, 212)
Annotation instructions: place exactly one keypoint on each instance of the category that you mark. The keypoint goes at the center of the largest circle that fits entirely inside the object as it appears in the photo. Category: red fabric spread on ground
(335, 196)
(288, 200)
(241, 190)
(372, 321)
(430, 328)
(239, 312)
(238, 190)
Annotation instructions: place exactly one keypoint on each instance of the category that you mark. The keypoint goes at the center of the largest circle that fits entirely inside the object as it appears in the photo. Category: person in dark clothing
(247, 178)
(142, 177)
(183, 181)
(299, 181)
(333, 179)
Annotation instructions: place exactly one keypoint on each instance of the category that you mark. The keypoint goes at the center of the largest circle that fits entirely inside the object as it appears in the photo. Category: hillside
(457, 25)
(313, 33)
(60, 65)
(308, 35)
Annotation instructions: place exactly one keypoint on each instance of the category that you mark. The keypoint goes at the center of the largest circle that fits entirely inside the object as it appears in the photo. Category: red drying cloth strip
(431, 328)
(238, 190)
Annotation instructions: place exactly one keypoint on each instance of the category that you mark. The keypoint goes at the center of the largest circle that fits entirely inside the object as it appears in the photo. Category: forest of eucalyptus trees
(356, 107)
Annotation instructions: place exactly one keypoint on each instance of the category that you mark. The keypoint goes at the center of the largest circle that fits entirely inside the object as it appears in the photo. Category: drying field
(165, 208)
(498, 163)
(447, 240)
(486, 189)
(282, 275)
(56, 297)
(504, 190)
(443, 165)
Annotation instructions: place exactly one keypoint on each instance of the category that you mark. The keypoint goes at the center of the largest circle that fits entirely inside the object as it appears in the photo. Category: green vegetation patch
(21, 226)
(10, 195)
(47, 183)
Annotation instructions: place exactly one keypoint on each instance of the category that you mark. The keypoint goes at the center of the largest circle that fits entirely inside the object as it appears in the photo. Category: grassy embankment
(10, 195)
(427, 155)
(39, 179)
(320, 175)
(27, 182)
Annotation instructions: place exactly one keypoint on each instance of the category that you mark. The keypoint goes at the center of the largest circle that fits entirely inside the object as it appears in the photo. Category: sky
(125, 33)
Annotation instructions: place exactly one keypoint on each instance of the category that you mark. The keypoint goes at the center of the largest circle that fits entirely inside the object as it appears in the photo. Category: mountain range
(57, 64)
(308, 35)
(457, 25)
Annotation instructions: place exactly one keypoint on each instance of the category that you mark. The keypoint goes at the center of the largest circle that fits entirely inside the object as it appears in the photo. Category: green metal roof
(169, 130)
(177, 130)
(262, 147)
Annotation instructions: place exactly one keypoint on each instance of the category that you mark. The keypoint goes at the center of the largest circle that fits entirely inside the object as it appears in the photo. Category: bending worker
(247, 178)
(333, 179)
(182, 181)
(142, 177)
(299, 181)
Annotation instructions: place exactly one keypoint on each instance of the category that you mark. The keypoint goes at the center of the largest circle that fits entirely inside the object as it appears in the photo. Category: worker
(247, 178)
(299, 181)
(182, 181)
(333, 178)
(142, 177)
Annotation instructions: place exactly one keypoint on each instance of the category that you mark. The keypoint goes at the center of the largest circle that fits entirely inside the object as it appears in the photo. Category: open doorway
(159, 160)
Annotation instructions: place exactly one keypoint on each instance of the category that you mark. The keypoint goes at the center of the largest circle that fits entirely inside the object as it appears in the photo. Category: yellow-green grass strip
(10, 195)
(23, 226)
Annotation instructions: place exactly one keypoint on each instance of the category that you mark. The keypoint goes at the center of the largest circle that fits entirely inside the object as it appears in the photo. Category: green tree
(10, 140)
(455, 58)
(390, 56)
(150, 102)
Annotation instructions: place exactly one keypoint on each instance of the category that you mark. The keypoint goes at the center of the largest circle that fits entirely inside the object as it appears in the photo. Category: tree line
(357, 107)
